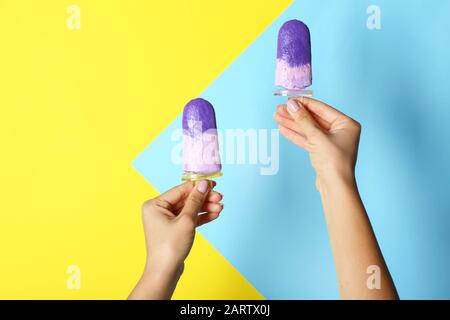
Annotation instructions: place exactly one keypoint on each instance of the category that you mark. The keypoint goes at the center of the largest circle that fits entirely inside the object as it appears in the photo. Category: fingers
(288, 127)
(304, 122)
(178, 193)
(282, 111)
(196, 198)
(175, 208)
(207, 217)
(321, 109)
(214, 196)
(284, 121)
(212, 207)
(293, 136)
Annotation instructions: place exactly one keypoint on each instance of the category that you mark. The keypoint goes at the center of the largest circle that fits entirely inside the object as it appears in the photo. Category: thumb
(306, 125)
(194, 202)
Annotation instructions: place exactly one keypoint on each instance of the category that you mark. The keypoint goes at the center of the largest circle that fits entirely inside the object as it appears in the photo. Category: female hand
(330, 137)
(169, 225)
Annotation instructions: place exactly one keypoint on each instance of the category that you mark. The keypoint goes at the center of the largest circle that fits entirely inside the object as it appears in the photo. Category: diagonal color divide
(272, 229)
(73, 114)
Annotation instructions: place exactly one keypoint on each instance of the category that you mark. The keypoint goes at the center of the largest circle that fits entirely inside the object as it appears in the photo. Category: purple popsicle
(293, 70)
(201, 155)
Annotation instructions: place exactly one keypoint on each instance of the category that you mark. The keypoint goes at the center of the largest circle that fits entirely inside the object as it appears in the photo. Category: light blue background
(395, 81)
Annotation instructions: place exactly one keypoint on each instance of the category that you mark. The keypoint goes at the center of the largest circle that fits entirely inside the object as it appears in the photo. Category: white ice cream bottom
(201, 152)
(288, 77)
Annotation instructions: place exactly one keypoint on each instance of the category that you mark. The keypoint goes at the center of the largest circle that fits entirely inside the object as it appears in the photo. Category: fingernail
(292, 105)
(202, 186)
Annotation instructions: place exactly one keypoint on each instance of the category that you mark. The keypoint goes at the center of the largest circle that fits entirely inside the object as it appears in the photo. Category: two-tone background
(91, 93)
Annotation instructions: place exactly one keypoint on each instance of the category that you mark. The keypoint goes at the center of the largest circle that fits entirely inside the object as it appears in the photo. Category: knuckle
(355, 124)
(147, 204)
(162, 203)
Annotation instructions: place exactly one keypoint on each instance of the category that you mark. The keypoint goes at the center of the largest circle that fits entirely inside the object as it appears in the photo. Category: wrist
(162, 268)
(158, 281)
(335, 180)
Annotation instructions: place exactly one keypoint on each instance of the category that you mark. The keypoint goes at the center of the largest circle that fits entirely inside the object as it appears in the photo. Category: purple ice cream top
(199, 112)
(294, 56)
(294, 44)
(200, 140)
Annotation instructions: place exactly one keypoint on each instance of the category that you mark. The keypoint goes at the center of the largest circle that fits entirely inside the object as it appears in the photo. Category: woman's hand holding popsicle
(331, 139)
(169, 225)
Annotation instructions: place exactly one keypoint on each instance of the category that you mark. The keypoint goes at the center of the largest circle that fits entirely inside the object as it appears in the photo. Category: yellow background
(77, 106)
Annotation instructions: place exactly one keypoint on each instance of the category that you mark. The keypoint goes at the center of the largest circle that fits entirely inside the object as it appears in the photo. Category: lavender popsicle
(293, 70)
(201, 155)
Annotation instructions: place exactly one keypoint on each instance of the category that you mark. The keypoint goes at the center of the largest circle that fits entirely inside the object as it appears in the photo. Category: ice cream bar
(201, 155)
(293, 70)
